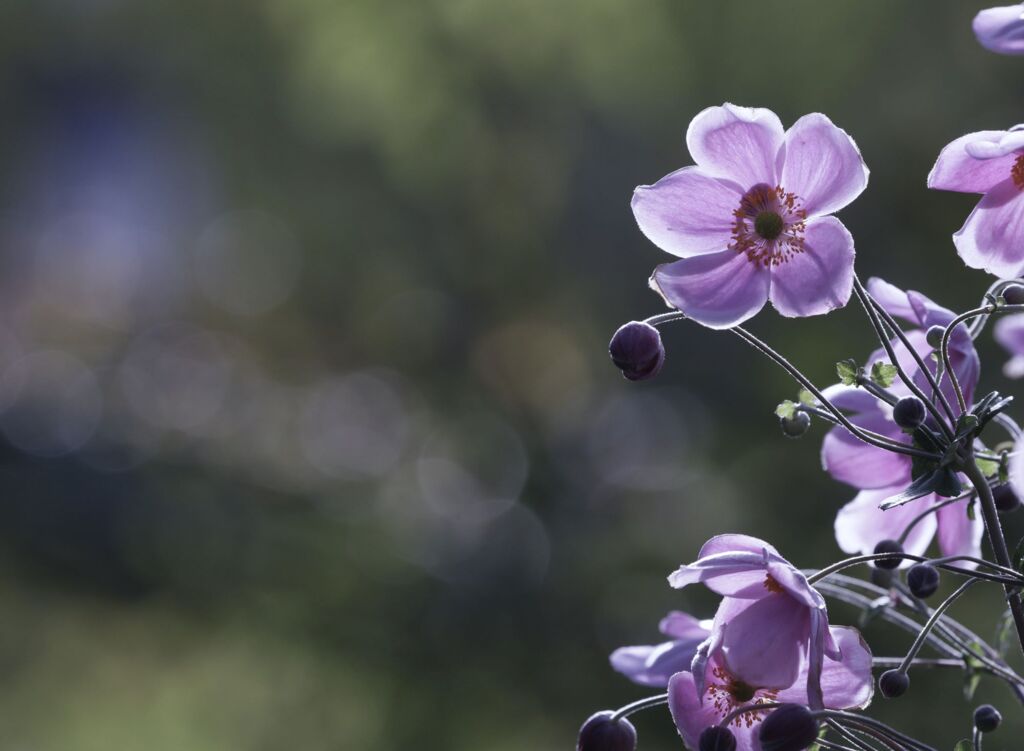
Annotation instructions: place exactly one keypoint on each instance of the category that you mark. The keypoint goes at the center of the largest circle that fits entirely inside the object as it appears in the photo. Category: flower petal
(654, 665)
(740, 574)
(732, 542)
(719, 290)
(958, 533)
(692, 715)
(861, 524)
(686, 213)
(1001, 29)
(845, 683)
(679, 625)
(893, 299)
(764, 640)
(736, 143)
(850, 460)
(991, 238)
(821, 278)
(956, 169)
(1009, 332)
(823, 165)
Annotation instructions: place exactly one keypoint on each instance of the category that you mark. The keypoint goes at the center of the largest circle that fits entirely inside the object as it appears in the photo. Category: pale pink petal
(1001, 29)
(845, 683)
(892, 298)
(1009, 332)
(719, 290)
(739, 574)
(850, 460)
(764, 640)
(851, 398)
(957, 170)
(861, 524)
(732, 542)
(821, 278)
(686, 213)
(737, 143)
(823, 165)
(692, 715)
(1016, 468)
(958, 533)
(681, 625)
(992, 238)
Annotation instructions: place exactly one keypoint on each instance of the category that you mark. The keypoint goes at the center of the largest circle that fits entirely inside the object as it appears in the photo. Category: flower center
(729, 692)
(772, 585)
(1017, 173)
(769, 225)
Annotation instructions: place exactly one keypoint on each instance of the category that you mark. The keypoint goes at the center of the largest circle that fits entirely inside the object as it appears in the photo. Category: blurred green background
(309, 434)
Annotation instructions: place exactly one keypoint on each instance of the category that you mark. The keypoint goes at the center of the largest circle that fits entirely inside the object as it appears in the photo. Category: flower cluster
(908, 428)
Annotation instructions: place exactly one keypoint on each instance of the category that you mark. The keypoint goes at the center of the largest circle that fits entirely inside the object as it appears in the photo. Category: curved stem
(995, 537)
(930, 623)
(839, 416)
(874, 311)
(928, 512)
(1011, 577)
(640, 704)
(944, 350)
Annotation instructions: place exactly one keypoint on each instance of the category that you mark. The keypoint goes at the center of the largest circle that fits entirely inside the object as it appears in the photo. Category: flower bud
(909, 412)
(637, 351)
(888, 546)
(602, 733)
(923, 580)
(795, 426)
(717, 738)
(987, 718)
(791, 727)
(1014, 294)
(893, 683)
(934, 336)
(1006, 499)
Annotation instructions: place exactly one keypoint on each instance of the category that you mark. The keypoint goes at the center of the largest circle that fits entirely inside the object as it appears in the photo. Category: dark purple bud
(602, 733)
(1006, 499)
(934, 336)
(791, 727)
(987, 718)
(1014, 294)
(909, 412)
(893, 683)
(795, 426)
(888, 546)
(717, 738)
(637, 351)
(923, 580)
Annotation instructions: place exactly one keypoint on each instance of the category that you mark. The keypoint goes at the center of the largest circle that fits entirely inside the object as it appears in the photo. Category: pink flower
(990, 162)
(654, 665)
(751, 221)
(770, 623)
(697, 704)
(1001, 29)
(881, 474)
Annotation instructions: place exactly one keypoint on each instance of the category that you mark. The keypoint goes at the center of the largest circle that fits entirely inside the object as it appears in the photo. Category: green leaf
(988, 467)
(806, 398)
(971, 513)
(966, 425)
(972, 674)
(847, 371)
(883, 373)
(963, 745)
(786, 410)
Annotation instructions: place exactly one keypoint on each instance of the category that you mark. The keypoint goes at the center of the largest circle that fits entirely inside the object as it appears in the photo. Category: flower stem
(639, 705)
(995, 537)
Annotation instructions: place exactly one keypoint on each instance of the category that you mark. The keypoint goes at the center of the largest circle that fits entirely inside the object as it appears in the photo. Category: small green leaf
(966, 425)
(883, 373)
(786, 410)
(988, 467)
(963, 745)
(971, 513)
(847, 371)
(806, 398)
